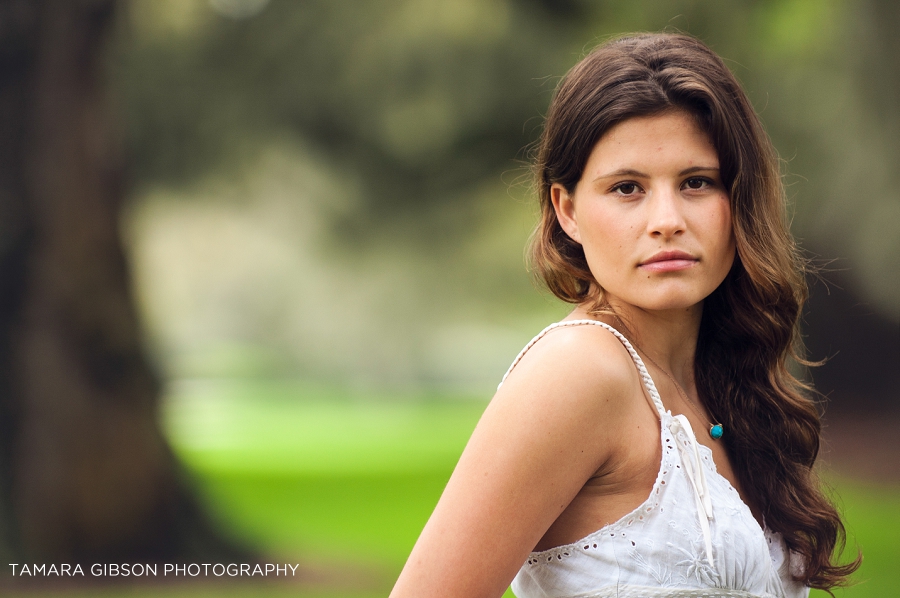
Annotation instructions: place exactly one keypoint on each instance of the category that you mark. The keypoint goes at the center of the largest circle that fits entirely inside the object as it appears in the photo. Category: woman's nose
(665, 218)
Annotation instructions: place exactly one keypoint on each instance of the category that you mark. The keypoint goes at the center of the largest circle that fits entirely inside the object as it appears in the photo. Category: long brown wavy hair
(749, 328)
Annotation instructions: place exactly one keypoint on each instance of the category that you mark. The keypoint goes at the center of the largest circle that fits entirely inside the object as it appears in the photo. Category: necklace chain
(715, 430)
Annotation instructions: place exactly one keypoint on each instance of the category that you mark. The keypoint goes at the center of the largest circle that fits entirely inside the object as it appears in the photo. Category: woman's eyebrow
(623, 172)
(694, 169)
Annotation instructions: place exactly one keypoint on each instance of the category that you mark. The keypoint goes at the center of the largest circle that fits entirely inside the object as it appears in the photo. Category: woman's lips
(668, 261)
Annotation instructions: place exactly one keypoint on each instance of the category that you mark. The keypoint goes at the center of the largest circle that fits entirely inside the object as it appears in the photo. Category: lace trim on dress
(650, 592)
(618, 527)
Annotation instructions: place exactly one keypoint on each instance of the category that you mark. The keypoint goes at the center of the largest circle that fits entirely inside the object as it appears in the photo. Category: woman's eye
(696, 183)
(625, 188)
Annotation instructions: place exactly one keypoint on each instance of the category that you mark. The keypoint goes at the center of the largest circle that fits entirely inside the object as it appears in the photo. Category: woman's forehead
(670, 138)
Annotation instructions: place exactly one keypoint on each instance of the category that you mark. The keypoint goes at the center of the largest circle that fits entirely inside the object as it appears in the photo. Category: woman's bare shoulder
(575, 379)
(584, 361)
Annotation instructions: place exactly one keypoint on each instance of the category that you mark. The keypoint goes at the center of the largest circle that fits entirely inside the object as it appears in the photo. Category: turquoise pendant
(716, 431)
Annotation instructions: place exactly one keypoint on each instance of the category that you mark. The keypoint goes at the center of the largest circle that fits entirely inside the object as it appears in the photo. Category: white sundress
(692, 537)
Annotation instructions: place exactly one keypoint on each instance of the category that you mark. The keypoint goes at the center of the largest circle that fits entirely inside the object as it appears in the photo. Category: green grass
(202, 591)
(872, 517)
(344, 485)
(369, 519)
(341, 481)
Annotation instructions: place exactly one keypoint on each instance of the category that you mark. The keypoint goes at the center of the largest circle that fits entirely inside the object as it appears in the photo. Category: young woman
(653, 443)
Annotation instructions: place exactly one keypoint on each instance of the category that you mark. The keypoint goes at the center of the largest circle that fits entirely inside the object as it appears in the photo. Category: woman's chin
(668, 302)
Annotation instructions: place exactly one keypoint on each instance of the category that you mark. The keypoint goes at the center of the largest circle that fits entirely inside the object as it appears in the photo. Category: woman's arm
(553, 424)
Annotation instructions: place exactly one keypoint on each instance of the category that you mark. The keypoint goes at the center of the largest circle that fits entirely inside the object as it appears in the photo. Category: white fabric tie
(693, 467)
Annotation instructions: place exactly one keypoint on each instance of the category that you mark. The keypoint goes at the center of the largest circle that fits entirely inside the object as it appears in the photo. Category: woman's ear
(564, 206)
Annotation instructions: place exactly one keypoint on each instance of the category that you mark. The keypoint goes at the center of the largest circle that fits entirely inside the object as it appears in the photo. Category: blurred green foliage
(422, 99)
(419, 99)
(366, 162)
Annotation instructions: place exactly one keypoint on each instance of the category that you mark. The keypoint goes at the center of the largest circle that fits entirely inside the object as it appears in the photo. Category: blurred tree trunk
(85, 472)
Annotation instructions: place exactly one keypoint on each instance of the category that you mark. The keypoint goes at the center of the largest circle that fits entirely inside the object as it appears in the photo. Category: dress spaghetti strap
(638, 362)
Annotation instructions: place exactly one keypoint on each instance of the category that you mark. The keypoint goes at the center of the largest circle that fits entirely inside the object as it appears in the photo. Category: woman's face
(652, 214)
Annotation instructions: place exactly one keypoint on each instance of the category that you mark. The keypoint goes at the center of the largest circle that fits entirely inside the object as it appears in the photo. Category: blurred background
(262, 263)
